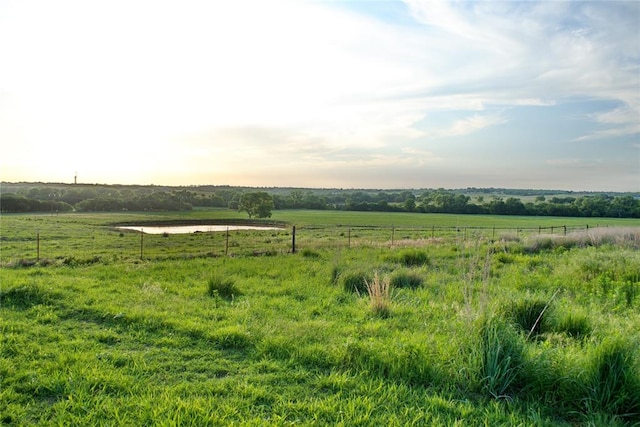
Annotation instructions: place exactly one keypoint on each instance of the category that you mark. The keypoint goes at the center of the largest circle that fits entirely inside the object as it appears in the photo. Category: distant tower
(75, 178)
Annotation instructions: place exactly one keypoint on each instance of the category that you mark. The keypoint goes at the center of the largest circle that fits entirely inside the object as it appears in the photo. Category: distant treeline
(109, 198)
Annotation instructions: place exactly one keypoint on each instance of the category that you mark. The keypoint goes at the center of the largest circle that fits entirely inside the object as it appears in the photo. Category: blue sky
(347, 94)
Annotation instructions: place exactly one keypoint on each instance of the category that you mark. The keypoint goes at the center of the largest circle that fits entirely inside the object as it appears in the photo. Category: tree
(410, 204)
(257, 205)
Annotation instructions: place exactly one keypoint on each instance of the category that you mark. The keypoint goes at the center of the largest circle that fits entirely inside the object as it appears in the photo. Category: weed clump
(26, 296)
(528, 315)
(309, 253)
(355, 281)
(222, 288)
(231, 338)
(615, 385)
(502, 358)
(379, 295)
(413, 258)
(574, 324)
(406, 279)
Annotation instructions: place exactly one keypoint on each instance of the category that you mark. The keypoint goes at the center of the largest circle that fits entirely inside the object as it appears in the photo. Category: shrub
(406, 279)
(223, 288)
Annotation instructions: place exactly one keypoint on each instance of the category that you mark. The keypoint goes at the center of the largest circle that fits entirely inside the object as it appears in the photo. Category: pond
(186, 229)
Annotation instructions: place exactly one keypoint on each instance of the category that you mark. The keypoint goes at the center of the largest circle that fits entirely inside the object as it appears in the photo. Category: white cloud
(469, 125)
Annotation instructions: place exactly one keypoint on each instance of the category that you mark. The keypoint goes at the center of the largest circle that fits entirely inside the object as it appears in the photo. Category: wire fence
(58, 247)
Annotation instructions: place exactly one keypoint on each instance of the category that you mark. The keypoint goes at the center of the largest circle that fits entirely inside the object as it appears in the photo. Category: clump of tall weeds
(614, 380)
(221, 287)
(379, 295)
(355, 281)
(406, 279)
(502, 358)
(411, 258)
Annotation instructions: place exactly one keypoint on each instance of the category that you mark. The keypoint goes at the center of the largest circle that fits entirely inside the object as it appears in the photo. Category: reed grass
(378, 290)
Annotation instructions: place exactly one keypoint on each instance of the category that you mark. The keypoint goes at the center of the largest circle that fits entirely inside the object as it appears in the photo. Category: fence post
(293, 240)
(565, 229)
(226, 243)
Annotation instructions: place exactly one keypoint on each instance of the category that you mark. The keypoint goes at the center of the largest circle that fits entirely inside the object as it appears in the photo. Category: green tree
(257, 205)
(410, 204)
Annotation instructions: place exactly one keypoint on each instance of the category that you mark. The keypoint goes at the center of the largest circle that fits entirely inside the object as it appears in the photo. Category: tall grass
(502, 359)
(378, 290)
(614, 380)
(626, 237)
(221, 287)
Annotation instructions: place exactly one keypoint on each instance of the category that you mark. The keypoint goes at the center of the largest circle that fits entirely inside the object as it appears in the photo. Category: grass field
(529, 330)
(73, 237)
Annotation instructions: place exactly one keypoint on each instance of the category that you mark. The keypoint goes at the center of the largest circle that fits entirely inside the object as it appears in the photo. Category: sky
(340, 94)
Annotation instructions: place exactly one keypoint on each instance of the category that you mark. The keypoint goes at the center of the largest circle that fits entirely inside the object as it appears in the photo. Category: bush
(223, 288)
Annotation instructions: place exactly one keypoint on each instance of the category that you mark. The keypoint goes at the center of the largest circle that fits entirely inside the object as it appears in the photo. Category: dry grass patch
(379, 295)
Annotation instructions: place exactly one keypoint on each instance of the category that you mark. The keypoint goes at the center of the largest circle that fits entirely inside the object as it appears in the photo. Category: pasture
(511, 328)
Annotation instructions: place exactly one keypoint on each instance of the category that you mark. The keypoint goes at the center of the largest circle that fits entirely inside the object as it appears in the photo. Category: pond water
(186, 229)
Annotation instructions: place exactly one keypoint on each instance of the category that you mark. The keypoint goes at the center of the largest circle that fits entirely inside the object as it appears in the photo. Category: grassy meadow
(461, 329)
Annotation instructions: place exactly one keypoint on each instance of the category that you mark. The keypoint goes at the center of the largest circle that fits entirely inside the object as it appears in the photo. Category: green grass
(103, 337)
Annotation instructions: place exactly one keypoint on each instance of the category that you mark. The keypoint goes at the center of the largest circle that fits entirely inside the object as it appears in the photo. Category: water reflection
(186, 229)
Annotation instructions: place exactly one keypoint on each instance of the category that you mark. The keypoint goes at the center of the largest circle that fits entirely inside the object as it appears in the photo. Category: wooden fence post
(393, 233)
(226, 244)
(565, 229)
(293, 240)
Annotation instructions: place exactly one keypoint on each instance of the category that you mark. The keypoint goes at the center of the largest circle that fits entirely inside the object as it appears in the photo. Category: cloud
(618, 122)
(471, 124)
